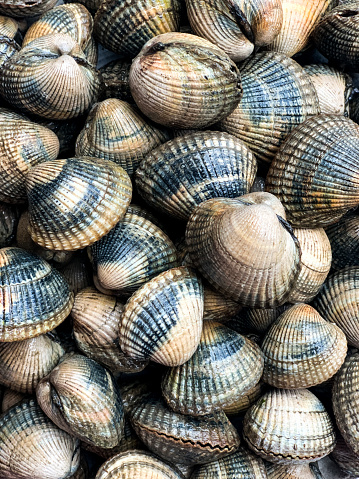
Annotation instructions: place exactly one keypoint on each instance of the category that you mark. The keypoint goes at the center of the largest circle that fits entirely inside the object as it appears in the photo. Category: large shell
(289, 426)
(277, 96)
(116, 80)
(198, 83)
(74, 202)
(8, 223)
(316, 171)
(182, 173)
(25, 8)
(114, 130)
(50, 77)
(32, 447)
(344, 240)
(81, 397)
(34, 297)
(301, 349)
(244, 250)
(223, 368)
(162, 320)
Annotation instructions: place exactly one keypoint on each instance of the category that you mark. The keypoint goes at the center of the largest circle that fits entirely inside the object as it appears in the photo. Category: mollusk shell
(315, 173)
(180, 174)
(8, 224)
(78, 273)
(245, 402)
(345, 458)
(8, 44)
(293, 471)
(74, 202)
(256, 320)
(289, 427)
(34, 297)
(11, 398)
(344, 240)
(277, 96)
(218, 307)
(25, 8)
(116, 80)
(8, 27)
(162, 320)
(184, 81)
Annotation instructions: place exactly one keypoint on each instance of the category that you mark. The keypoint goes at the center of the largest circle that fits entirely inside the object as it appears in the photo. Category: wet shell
(218, 307)
(74, 202)
(91, 53)
(245, 402)
(91, 5)
(125, 26)
(345, 458)
(116, 80)
(277, 96)
(78, 273)
(244, 250)
(50, 77)
(136, 464)
(315, 173)
(293, 471)
(301, 349)
(162, 320)
(66, 132)
(344, 240)
(25, 8)
(8, 27)
(82, 398)
(256, 320)
(10, 399)
(289, 427)
(96, 319)
(114, 130)
(184, 81)
(224, 367)
(8, 45)
(236, 26)
(34, 297)
(182, 173)
(8, 223)
(32, 447)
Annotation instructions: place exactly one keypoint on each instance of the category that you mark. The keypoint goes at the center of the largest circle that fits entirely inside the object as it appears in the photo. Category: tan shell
(25, 8)
(293, 471)
(256, 320)
(345, 458)
(10, 398)
(8, 45)
(218, 307)
(245, 402)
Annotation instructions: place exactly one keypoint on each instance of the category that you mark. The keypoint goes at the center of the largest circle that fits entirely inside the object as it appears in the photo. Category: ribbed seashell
(333, 88)
(91, 54)
(246, 401)
(292, 471)
(8, 223)
(78, 273)
(182, 173)
(218, 307)
(289, 427)
(301, 349)
(8, 45)
(263, 121)
(25, 8)
(171, 307)
(256, 320)
(11, 398)
(34, 298)
(125, 26)
(345, 458)
(91, 5)
(299, 19)
(74, 202)
(51, 78)
(193, 93)
(82, 398)
(344, 240)
(24, 363)
(23, 144)
(236, 26)
(116, 80)
(183, 439)
(82, 471)
(32, 447)
(66, 131)
(258, 185)
(114, 130)
(131, 254)
(315, 264)
(8, 27)
(224, 367)
(244, 250)
(315, 173)
(96, 320)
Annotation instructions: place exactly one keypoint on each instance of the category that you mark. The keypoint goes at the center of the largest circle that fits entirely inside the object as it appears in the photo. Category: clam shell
(277, 96)
(289, 427)
(245, 401)
(8, 45)
(293, 471)
(8, 223)
(301, 349)
(116, 80)
(345, 458)
(223, 368)
(82, 398)
(74, 202)
(34, 297)
(244, 251)
(344, 240)
(25, 8)
(8, 27)
(78, 273)
(10, 399)
(218, 307)
(66, 132)
(91, 53)
(32, 447)
(114, 130)
(315, 172)
(182, 173)
(162, 321)
(193, 93)
(50, 77)
(256, 320)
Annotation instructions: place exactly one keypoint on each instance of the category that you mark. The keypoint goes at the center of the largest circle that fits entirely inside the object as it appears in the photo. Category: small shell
(293, 471)
(34, 297)
(289, 427)
(182, 173)
(246, 401)
(10, 399)
(218, 307)
(8, 223)
(116, 80)
(25, 8)
(344, 240)
(74, 202)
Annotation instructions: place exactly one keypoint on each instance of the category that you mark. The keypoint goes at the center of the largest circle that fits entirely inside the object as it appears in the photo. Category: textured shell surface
(34, 297)
(256, 320)
(11, 398)
(218, 307)
(162, 321)
(82, 398)
(344, 240)
(115, 130)
(76, 201)
(51, 78)
(182, 173)
(78, 273)
(315, 173)
(277, 96)
(8, 224)
(289, 427)
(345, 458)
(245, 401)
(116, 80)
(25, 8)
(301, 349)
(32, 447)
(8, 36)
(184, 81)
(8, 27)
(294, 471)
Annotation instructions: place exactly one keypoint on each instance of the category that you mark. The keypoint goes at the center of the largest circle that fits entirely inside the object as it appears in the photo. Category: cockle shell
(245, 402)
(256, 320)
(218, 307)
(293, 471)
(78, 273)
(116, 80)
(25, 8)
(344, 240)
(8, 44)
(11, 398)
(345, 458)
(8, 223)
